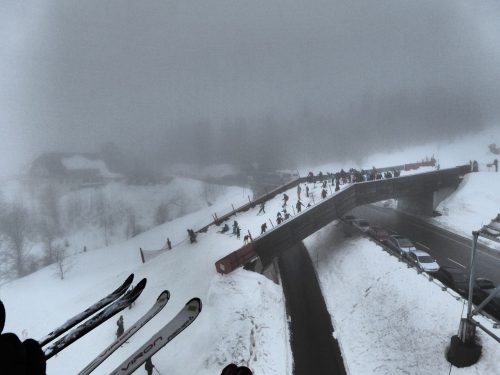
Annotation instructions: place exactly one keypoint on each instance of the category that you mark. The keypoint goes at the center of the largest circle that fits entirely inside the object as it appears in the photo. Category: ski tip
(129, 279)
(141, 284)
(163, 297)
(194, 303)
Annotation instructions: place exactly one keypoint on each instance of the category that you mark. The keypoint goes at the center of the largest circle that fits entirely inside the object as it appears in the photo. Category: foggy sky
(153, 75)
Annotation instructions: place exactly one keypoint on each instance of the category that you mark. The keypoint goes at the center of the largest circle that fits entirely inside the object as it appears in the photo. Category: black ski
(89, 311)
(184, 318)
(95, 320)
(160, 303)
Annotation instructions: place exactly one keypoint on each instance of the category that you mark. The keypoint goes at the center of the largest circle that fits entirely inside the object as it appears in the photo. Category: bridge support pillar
(422, 204)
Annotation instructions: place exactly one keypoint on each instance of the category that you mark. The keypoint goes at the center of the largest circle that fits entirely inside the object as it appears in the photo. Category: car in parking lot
(378, 233)
(482, 289)
(362, 225)
(453, 278)
(423, 260)
(400, 244)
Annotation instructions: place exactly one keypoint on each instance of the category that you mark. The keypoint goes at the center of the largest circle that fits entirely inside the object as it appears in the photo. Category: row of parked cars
(397, 243)
(451, 277)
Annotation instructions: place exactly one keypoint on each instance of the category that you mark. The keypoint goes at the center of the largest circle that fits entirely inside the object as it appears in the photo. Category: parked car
(453, 278)
(347, 222)
(400, 244)
(362, 225)
(378, 233)
(423, 260)
(482, 289)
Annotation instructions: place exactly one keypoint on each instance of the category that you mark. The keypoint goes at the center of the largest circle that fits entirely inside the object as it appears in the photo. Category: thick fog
(274, 81)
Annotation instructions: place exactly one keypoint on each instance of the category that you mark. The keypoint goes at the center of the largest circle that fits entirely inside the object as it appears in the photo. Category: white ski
(160, 303)
(184, 318)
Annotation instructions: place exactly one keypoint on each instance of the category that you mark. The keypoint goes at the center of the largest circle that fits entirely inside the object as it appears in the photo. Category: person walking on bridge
(285, 199)
(323, 193)
(299, 206)
(263, 228)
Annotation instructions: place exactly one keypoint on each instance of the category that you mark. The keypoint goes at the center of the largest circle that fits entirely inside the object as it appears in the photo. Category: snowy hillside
(388, 319)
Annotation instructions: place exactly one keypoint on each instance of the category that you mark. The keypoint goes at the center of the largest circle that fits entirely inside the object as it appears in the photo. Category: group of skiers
(236, 229)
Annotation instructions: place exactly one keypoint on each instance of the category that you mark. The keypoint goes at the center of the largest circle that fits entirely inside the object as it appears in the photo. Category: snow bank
(387, 318)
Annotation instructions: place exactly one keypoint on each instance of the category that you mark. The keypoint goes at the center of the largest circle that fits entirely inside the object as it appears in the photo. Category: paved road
(448, 248)
(314, 349)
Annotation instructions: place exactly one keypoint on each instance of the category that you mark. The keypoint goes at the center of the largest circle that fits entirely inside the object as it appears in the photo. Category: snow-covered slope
(388, 319)
(242, 317)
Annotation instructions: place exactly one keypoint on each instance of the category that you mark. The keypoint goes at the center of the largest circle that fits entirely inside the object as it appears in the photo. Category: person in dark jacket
(263, 228)
(323, 193)
(192, 235)
(120, 329)
(149, 366)
(299, 205)
(279, 218)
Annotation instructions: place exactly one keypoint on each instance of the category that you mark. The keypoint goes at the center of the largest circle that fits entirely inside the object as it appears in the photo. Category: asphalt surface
(314, 349)
(449, 249)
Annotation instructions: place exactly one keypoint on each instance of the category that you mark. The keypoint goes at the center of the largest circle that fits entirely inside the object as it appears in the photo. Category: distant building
(78, 169)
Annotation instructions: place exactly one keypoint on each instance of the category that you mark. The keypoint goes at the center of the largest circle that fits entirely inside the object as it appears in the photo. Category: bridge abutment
(425, 203)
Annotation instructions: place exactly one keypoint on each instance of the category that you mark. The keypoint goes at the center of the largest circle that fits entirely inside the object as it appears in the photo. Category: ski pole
(159, 373)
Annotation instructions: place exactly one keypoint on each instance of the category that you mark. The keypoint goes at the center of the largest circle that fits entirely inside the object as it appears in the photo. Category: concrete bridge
(419, 193)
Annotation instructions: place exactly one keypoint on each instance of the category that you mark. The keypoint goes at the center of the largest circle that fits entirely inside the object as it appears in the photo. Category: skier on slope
(119, 330)
(149, 366)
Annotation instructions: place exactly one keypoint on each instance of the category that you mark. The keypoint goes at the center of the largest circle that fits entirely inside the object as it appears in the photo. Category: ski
(160, 303)
(88, 312)
(166, 334)
(95, 320)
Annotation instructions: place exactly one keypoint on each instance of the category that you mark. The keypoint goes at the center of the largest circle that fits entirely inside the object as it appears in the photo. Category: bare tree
(132, 229)
(48, 233)
(104, 214)
(14, 228)
(161, 214)
(61, 260)
(210, 192)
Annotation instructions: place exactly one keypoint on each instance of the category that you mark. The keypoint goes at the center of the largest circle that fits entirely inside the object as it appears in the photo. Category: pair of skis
(118, 301)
